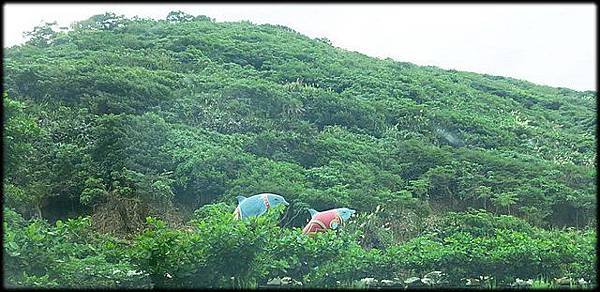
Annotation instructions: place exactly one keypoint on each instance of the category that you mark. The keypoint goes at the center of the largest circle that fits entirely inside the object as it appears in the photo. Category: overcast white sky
(550, 44)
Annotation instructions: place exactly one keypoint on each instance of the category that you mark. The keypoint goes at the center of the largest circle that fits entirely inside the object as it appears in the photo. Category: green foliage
(93, 192)
(217, 251)
(478, 244)
(42, 35)
(480, 223)
(176, 114)
(66, 255)
(225, 106)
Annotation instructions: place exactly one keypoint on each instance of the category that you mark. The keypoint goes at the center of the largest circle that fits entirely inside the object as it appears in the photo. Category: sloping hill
(164, 116)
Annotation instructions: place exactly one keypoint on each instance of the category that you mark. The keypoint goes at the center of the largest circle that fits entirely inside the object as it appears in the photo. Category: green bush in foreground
(68, 255)
(216, 251)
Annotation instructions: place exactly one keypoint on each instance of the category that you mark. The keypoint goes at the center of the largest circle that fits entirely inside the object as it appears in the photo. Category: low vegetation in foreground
(472, 249)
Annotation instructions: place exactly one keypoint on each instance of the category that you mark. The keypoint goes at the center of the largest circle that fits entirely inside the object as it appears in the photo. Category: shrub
(66, 255)
(216, 251)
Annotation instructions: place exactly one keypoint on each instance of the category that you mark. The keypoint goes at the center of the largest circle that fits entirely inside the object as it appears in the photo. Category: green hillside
(122, 119)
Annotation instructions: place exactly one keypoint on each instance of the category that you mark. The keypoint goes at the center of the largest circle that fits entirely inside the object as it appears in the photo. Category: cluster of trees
(121, 119)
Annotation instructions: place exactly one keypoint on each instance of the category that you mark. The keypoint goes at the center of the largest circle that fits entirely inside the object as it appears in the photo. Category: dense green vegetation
(217, 251)
(147, 130)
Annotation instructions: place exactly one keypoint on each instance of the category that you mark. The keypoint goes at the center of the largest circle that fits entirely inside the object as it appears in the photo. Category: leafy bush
(504, 247)
(67, 255)
(480, 223)
(218, 251)
(215, 250)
